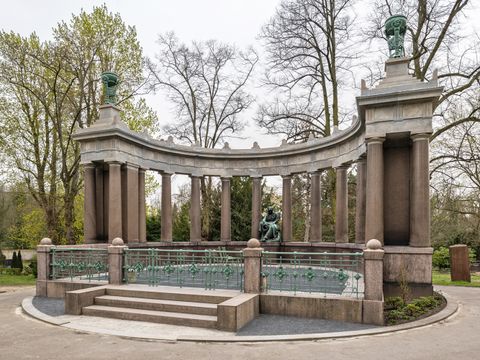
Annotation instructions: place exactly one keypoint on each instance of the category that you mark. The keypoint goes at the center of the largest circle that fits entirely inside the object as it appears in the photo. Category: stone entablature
(110, 140)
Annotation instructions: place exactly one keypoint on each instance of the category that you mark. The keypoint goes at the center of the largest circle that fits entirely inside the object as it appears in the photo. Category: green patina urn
(395, 29)
(110, 83)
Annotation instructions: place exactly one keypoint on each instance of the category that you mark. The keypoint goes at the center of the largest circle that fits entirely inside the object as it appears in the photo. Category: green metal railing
(79, 264)
(327, 273)
(209, 269)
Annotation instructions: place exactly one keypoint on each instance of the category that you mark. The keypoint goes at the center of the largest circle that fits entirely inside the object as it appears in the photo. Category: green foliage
(48, 90)
(19, 260)
(16, 279)
(153, 225)
(34, 265)
(441, 258)
(13, 265)
(397, 310)
(10, 271)
(181, 222)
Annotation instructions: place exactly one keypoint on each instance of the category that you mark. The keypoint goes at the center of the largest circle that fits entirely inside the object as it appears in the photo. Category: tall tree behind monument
(206, 84)
(49, 88)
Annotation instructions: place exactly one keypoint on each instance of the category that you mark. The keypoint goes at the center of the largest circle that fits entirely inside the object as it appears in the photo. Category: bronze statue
(269, 229)
(110, 82)
(395, 29)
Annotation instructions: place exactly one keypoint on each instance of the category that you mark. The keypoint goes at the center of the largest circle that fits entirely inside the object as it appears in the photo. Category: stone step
(186, 307)
(171, 293)
(162, 317)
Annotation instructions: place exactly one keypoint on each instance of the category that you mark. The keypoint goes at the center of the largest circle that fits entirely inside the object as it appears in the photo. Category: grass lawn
(443, 278)
(17, 280)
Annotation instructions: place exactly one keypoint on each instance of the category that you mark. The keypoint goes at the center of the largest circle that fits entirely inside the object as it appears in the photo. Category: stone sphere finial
(253, 243)
(117, 242)
(46, 241)
(374, 244)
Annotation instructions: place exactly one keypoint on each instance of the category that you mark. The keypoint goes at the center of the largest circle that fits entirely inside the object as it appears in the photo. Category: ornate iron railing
(327, 273)
(209, 269)
(79, 264)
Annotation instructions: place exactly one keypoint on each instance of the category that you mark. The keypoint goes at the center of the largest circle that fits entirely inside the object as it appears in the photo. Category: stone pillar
(360, 201)
(114, 201)
(315, 207)
(256, 206)
(99, 202)
(90, 217)
(115, 262)
(130, 203)
(142, 213)
(43, 266)
(459, 263)
(166, 228)
(252, 257)
(420, 192)
(341, 205)
(374, 192)
(373, 277)
(226, 217)
(195, 212)
(287, 209)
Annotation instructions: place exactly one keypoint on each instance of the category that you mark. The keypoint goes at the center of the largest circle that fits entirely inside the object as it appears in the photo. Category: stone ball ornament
(46, 241)
(374, 244)
(117, 242)
(253, 243)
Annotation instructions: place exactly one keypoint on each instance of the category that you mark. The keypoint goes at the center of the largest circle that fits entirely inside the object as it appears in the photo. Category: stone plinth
(252, 256)
(115, 262)
(459, 263)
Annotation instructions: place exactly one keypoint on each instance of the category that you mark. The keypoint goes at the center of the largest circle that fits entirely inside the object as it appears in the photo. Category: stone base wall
(407, 264)
(58, 288)
(339, 309)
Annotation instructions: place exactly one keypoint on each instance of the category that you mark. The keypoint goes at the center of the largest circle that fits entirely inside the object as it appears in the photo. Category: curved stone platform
(149, 331)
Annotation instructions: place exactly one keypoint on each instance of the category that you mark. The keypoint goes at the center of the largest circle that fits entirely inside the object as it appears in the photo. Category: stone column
(374, 196)
(130, 203)
(287, 209)
(115, 262)
(114, 201)
(142, 212)
(89, 222)
(195, 214)
(373, 276)
(419, 192)
(341, 205)
(99, 202)
(252, 256)
(43, 266)
(315, 207)
(256, 206)
(360, 201)
(166, 228)
(226, 217)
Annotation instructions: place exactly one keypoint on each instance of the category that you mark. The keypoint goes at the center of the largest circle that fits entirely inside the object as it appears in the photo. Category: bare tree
(206, 84)
(309, 49)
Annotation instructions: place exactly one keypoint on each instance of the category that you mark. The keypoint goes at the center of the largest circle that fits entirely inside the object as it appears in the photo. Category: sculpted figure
(269, 228)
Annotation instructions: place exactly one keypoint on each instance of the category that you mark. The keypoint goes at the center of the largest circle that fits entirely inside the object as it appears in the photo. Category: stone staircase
(167, 305)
